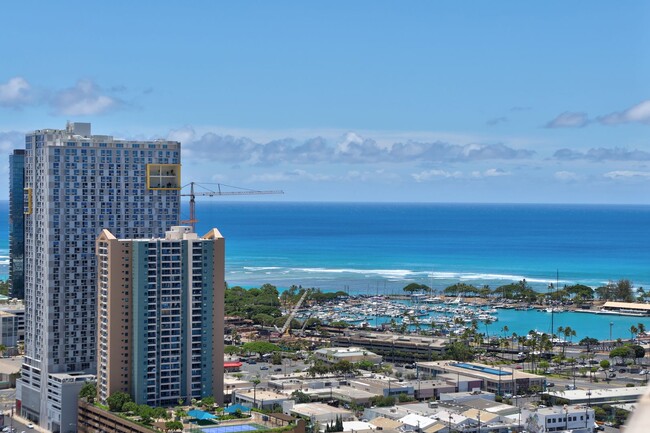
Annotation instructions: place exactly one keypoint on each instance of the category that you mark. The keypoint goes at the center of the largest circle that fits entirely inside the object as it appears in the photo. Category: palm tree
(641, 327)
(255, 382)
(633, 331)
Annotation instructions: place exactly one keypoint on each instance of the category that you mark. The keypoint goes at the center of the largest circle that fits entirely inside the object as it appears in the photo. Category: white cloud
(495, 172)
(352, 148)
(627, 174)
(639, 113)
(184, 135)
(491, 172)
(569, 120)
(15, 93)
(84, 99)
(436, 174)
(567, 176)
(290, 176)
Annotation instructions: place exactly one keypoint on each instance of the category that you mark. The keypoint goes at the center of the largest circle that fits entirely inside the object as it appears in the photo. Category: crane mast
(193, 194)
(292, 314)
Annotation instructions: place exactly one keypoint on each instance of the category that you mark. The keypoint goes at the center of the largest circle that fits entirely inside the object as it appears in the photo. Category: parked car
(264, 367)
(550, 385)
(277, 369)
(612, 375)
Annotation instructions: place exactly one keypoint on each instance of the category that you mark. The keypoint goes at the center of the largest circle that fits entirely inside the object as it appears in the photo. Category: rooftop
(627, 305)
(475, 369)
(315, 409)
(599, 394)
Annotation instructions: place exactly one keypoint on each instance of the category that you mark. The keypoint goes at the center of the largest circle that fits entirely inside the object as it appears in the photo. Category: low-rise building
(596, 396)
(9, 329)
(317, 412)
(573, 418)
(383, 386)
(63, 398)
(500, 380)
(332, 355)
(394, 347)
(259, 398)
(626, 308)
(430, 389)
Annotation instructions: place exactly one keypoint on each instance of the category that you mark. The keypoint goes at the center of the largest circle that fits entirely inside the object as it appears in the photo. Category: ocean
(370, 248)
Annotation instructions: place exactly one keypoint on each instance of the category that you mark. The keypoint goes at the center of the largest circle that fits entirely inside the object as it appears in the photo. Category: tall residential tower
(161, 309)
(77, 184)
(17, 223)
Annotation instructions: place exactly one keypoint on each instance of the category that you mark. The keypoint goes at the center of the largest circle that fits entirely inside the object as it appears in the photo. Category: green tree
(276, 358)
(88, 391)
(622, 352)
(173, 426)
(300, 396)
(146, 413)
(382, 401)
(116, 401)
(589, 341)
(160, 413)
(605, 364)
(638, 352)
(231, 350)
(415, 287)
(208, 402)
(260, 347)
(130, 407)
(623, 291)
(459, 352)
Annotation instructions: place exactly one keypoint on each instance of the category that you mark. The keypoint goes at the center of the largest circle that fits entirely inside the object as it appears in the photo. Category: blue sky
(427, 101)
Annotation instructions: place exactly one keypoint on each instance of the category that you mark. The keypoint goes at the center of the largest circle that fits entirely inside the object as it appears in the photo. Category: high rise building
(161, 309)
(17, 223)
(77, 184)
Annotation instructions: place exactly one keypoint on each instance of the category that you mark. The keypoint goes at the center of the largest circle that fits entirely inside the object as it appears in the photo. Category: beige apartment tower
(160, 316)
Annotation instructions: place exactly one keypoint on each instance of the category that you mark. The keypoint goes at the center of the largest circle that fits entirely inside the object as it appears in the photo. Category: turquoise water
(230, 429)
(372, 248)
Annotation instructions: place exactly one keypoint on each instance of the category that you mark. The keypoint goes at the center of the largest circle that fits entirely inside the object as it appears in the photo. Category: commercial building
(332, 355)
(161, 309)
(9, 329)
(576, 419)
(13, 325)
(394, 347)
(317, 412)
(77, 184)
(17, 223)
(500, 380)
(596, 396)
(626, 308)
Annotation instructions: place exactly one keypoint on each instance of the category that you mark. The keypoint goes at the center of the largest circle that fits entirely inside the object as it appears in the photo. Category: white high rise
(77, 184)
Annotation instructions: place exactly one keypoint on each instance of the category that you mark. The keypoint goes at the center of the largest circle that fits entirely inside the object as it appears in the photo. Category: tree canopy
(260, 347)
(415, 287)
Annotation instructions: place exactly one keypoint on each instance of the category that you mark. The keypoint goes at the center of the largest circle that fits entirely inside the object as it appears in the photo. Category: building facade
(17, 223)
(160, 317)
(77, 184)
(575, 419)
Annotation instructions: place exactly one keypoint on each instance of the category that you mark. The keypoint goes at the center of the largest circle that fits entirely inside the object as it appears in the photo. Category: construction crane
(209, 193)
(294, 310)
(301, 333)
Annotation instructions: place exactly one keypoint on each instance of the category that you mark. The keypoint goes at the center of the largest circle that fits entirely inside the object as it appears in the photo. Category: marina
(454, 316)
